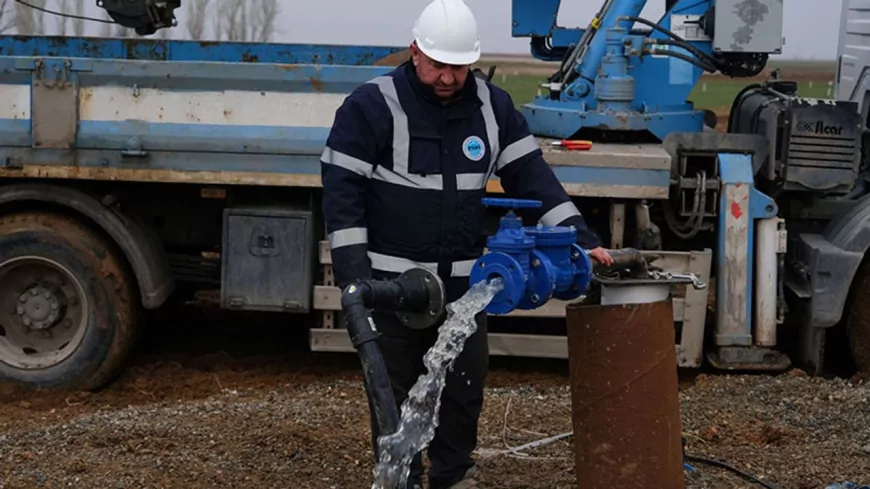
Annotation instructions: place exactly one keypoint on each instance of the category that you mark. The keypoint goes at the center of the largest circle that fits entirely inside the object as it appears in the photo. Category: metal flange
(436, 308)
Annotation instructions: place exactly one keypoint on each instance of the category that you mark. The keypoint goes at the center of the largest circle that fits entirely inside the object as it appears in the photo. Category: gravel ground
(273, 419)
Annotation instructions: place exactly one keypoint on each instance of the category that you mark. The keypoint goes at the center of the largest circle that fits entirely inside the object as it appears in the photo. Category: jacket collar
(466, 95)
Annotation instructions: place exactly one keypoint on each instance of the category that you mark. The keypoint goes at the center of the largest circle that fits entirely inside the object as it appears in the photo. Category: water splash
(420, 410)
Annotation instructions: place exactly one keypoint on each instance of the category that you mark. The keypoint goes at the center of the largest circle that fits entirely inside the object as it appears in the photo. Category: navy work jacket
(404, 175)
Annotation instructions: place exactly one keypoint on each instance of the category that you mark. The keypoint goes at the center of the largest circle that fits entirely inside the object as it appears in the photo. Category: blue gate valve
(536, 263)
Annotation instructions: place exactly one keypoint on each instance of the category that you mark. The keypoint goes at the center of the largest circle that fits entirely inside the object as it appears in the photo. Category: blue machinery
(615, 79)
(618, 83)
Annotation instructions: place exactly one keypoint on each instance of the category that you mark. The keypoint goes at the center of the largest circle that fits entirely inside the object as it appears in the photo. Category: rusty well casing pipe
(624, 396)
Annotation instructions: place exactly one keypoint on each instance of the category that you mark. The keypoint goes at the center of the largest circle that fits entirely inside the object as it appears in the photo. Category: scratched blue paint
(281, 140)
(169, 160)
(736, 169)
(294, 164)
(259, 141)
(177, 50)
(279, 149)
(15, 132)
(181, 147)
(205, 76)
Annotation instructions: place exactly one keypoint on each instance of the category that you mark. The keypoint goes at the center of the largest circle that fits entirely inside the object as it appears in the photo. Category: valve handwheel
(512, 203)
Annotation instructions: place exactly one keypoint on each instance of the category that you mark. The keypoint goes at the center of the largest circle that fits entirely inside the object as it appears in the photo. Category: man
(404, 171)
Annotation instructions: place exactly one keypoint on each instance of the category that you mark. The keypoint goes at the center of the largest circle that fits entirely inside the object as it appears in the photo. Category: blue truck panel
(185, 111)
(173, 50)
(280, 170)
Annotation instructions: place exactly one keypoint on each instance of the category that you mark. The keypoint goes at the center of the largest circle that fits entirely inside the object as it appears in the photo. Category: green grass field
(713, 93)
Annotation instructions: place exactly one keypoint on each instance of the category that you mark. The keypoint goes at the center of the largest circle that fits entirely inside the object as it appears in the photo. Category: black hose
(695, 61)
(625, 259)
(563, 65)
(364, 338)
(693, 225)
(681, 42)
(408, 293)
(723, 465)
(702, 57)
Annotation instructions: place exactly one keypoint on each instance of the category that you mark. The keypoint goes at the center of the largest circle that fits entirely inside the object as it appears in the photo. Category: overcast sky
(389, 22)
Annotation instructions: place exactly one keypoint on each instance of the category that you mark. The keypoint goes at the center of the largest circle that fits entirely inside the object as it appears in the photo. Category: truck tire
(858, 319)
(68, 314)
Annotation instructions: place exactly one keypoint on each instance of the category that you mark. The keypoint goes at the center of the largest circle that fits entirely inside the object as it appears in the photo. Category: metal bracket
(55, 98)
(59, 73)
(134, 149)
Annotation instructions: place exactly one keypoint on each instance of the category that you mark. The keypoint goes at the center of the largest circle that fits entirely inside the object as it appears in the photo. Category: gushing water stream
(419, 416)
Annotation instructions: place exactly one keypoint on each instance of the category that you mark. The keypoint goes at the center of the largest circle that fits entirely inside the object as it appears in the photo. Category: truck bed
(220, 113)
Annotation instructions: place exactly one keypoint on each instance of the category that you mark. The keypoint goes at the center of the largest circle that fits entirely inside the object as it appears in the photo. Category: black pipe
(626, 258)
(395, 295)
(364, 336)
(419, 295)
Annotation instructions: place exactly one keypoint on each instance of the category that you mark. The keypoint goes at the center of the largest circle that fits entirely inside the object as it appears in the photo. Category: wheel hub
(43, 312)
(39, 307)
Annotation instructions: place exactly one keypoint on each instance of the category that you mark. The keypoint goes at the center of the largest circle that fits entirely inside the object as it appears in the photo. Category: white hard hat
(446, 31)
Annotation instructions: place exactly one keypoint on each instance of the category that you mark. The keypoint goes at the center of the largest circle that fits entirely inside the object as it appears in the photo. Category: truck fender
(830, 261)
(141, 247)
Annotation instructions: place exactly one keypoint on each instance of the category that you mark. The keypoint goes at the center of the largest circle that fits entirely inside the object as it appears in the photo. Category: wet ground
(217, 400)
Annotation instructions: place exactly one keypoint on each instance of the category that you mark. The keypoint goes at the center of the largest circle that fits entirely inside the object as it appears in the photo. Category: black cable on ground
(725, 466)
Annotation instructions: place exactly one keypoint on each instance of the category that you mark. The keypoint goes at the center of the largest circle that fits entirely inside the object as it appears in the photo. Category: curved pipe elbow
(364, 336)
(356, 317)
(352, 295)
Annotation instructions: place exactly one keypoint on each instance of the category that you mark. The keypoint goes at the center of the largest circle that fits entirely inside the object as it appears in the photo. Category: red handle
(574, 144)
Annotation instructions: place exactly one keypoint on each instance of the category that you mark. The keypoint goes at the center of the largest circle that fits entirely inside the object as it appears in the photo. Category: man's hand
(601, 256)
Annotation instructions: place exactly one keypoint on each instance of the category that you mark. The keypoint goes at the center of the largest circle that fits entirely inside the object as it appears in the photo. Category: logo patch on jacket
(473, 148)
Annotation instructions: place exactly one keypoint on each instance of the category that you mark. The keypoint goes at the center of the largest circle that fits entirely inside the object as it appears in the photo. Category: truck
(136, 171)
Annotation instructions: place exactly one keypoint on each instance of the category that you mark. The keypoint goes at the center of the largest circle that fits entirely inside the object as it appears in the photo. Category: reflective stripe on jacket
(403, 176)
